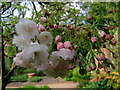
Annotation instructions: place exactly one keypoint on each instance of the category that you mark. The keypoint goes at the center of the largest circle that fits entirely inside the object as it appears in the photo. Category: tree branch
(6, 8)
(34, 7)
(41, 4)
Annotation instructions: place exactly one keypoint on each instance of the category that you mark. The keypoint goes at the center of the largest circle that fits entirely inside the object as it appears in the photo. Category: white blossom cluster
(34, 50)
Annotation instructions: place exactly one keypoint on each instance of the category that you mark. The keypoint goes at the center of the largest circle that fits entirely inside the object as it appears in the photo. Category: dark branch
(41, 4)
(34, 7)
(4, 9)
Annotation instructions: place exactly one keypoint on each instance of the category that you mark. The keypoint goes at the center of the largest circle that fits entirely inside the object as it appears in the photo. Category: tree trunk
(0, 59)
(2, 62)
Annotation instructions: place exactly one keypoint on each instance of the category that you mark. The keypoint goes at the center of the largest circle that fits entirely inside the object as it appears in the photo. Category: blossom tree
(77, 44)
(60, 37)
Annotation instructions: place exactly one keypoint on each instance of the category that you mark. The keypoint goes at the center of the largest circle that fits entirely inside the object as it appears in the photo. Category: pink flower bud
(89, 18)
(112, 27)
(88, 69)
(98, 71)
(102, 34)
(57, 39)
(102, 42)
(108, 65)
(75, 47)
(107, 28)
(60, 45)
(101, 57)
(113, 42)
(94, 39)
(113, 66)
(67, 45)
(111, 36)
(55, 26)
(108, 37)
(92, 66)
(73, 51)
(109, 62)
(42, 19)
(68, 25)
(72, 27)
(107, 70)
(41, 28)
(100, 66)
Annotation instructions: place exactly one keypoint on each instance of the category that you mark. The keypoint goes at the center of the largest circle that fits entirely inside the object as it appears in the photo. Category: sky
(30, 6)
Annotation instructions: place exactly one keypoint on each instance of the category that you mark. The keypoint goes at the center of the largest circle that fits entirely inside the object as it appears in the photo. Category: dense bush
(111, 81)
(75, 76)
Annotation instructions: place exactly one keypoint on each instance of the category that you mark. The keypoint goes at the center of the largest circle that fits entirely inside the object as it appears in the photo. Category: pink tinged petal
(75, 47)
(66, 54)
(41, 28)
(55, 26)
(60, 45)
(113, 42)
(73, 51)
(88, 69)
(109, 36)
(42, 19)
(27, 28)
(101, 57)
(67, 45)
(58, 38)
(72, 27)
(107, 70)
(102, 34)
(94, 39)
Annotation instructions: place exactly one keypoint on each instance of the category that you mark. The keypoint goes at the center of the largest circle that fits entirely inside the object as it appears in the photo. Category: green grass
(31, 70)
(43, 86)
(35, 79)
(20, 78)
(31, 87)
(24, 78)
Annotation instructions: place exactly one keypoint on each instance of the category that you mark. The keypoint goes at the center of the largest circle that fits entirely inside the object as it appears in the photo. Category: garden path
(51, 82)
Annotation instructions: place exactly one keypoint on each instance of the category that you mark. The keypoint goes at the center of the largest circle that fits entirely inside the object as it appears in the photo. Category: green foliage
(75, 76)
(32, 70)
(34, 79)
(44, 86)
(31, 87)
(106, 84)
(111, 81)
(24, 78)
(19, 78)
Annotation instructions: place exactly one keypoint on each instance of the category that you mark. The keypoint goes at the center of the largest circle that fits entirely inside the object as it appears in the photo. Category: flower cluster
(34, 49)
(104, 38)
(68, 47)
(102, 58)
